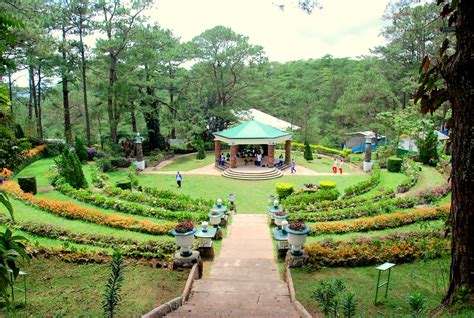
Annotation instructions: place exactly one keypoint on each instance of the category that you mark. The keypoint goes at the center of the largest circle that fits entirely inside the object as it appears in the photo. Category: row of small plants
(131, 248)
(365, 185)
(102, 200)
(73, 211)
(306, 198)
(293, 205)
(368, 209)
(431, 194)
(411, 169)
(322, 149)
(166, 200)
(398, 248)
(383, 221)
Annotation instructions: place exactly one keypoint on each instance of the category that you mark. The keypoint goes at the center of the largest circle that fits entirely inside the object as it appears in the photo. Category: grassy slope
(429, 177)
(189, 162)
(59, 288)
(250, 196)
(318, 165)
(39, 169)
(427, 277)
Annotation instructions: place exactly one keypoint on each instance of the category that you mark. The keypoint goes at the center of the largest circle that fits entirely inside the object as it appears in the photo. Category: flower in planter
(184, 227)
(297, 226)
(280, 213)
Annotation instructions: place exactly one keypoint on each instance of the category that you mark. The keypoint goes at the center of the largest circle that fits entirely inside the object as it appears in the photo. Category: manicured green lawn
(39, 169)
(250, 196)
(430, 278)
(59, 289)
(429, 177)
(319, 165)
(189, 162)
(388, 180)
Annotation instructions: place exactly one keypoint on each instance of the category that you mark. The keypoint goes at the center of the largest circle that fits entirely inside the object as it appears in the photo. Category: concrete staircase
(244, 279)
(252, 173)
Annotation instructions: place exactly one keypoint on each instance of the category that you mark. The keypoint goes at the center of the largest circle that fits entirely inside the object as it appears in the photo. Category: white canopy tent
(255, 114)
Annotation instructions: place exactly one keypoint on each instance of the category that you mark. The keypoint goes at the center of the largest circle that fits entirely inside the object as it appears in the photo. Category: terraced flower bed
(382, 221)
(383, 206)
(362, 252)
(73, 211)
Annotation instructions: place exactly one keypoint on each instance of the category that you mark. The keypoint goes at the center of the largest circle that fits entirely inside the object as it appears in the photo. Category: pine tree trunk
(10, 91)
(110, 98)
(460, 80)
(40, 120)
(84, 85)
(35, 97)
(64, 78)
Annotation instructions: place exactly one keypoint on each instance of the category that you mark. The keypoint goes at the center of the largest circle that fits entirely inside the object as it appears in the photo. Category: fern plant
(417, 304)
(114, 285)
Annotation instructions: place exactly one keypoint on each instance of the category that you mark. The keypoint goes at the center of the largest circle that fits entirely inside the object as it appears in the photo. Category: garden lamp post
(368, 153)
(140, 163)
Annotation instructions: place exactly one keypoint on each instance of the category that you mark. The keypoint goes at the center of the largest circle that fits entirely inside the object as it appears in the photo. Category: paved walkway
(244, 279)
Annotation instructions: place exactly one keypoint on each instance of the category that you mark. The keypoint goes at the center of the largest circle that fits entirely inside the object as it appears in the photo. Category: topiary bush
(308, 153)
(28, 184)
(199, 145)
(124, 185)
(284, 189)
(327, 185)
(81, 150)
(69, 167)
(394, 164)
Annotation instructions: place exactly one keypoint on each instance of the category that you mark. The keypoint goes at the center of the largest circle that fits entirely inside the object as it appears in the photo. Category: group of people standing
(337, 164)
(223, 159)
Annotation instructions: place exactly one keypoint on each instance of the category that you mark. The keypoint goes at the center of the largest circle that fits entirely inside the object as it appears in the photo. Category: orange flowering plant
(73, 211)
(398, 248)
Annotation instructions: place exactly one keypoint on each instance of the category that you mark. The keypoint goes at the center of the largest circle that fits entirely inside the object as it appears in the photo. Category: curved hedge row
(322, 149)
(129, 247)
(364, 186)
(73, 211)
(104, 201)
(401, 248)
(383, 206)
(302, 207)
(382, 221)
(306, 198)
(412, 170)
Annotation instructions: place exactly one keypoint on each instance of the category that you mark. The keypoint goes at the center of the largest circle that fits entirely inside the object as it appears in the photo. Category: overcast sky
(342, 28)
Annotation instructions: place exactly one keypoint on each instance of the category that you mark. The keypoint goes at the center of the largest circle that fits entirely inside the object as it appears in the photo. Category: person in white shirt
(334, 166)
(179, 178)
(340, 166)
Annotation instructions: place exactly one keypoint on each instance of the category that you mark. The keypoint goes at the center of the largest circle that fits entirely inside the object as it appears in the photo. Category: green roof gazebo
(252, 132)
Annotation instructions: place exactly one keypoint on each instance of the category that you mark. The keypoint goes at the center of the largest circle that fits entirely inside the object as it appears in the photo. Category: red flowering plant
(184, 227)
(297, 226)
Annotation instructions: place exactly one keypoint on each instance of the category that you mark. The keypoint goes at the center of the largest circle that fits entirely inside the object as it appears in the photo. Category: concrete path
(244, 279)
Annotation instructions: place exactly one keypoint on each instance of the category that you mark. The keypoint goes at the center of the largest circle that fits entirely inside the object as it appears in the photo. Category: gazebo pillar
(271, 155)
(217, 147)
(233, 156)
(287, 151)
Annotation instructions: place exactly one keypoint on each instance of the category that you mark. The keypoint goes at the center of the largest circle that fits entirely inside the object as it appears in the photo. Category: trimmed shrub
(70, 168)
(120, 162)
(327, 185)
(283, 190)
(81, 151)
(200, 149)
(124, 185)
(28, 184)
(394, 164)
(308, 153)
(427, 148)
(53, 148)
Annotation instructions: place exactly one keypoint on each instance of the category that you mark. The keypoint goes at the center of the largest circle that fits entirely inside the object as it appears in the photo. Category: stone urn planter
(274, 208)
(215, 218)
(279, 217)
(297, 233)
(184, 235)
